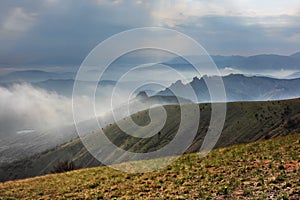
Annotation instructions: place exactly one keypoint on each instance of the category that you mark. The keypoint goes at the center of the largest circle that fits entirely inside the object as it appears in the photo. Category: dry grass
(261, 170)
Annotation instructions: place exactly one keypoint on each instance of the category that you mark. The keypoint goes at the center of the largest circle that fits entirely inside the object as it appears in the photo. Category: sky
(53, 33)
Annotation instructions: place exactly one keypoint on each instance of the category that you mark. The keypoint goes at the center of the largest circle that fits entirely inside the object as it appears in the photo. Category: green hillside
(260, 170)
(245, 122)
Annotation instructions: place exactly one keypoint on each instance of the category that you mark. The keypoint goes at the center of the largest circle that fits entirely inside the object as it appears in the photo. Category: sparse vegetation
(64, 166)
(260, 170)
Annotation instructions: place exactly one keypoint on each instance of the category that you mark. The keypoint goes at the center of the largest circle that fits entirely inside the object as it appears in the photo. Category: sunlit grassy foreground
(268, 169)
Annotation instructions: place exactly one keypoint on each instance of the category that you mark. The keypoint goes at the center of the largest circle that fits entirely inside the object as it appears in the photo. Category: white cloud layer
(18, 21)
(26, 108)
(180, 9)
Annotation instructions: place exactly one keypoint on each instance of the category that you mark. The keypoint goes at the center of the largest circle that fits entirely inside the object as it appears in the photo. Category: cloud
(229, 70)
(235, 27)
(180, 11)
(19, 21)
(14, 25)
(62, 33)
(24, 107)
(109, 2)
(233, 35)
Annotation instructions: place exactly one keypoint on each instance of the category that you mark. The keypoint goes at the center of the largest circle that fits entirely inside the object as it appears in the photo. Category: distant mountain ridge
(296, 55)
(34, 76)
(254, 63)
(294, 75)
(259, 62)
(240, 88)
(60, 86)
(250, 63)
(65, 86)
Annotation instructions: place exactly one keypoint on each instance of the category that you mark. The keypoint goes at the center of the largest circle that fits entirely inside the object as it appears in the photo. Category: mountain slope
(17, 146)
(245, 122)
(260, 170)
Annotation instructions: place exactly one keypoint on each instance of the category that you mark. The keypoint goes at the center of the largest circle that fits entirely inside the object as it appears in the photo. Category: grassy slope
(260, 170)
(245, 122)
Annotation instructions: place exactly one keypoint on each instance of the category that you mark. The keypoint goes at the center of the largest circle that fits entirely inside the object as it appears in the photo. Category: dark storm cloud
(53, 32)
(246, 35)
(62, 32)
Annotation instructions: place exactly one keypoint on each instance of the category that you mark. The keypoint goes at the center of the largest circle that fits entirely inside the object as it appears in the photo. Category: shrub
(64, 166)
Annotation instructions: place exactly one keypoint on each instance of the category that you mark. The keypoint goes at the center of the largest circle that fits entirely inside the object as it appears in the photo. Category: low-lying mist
(27, 109)
(24, 107)
(33, 120)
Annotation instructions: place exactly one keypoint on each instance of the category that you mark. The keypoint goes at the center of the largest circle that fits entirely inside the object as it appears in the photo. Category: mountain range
(250, 63)
(262, 62)
(32, 76)
(239, 88)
